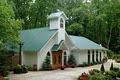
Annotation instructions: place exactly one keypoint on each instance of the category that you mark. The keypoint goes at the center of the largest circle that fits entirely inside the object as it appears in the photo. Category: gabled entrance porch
(58, 54)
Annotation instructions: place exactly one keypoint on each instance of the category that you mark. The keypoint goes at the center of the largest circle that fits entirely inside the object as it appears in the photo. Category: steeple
(57, 21)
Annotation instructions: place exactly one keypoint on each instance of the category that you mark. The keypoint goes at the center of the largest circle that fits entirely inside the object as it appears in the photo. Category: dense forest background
(98, 20)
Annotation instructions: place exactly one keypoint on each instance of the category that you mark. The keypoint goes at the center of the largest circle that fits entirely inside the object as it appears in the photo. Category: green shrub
(102, 69)
(110, 54)
(4, 70)
(111, 67)
(79, 78)
(112, 74)
(71, 59)
(118, 74)
(84, 64)
(4, 63)
(97, 76)
(96, 70)
(105, 59)
(116, 69)
(20, 69)
(4, 79)
(91, 72)
(91, 63)
(117, 60)
(47, 64)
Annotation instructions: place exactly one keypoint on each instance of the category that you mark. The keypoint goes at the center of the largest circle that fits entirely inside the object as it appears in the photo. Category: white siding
(29, 58)
(42, 54)
(54, 23)
(81, 56)
(61, 31)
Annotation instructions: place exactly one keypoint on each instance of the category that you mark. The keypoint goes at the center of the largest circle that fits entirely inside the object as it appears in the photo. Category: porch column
(102, 55)
(95, 55)
(90, 56)
(106, 53)
(98, 56)
(51, 57)
(63, 57)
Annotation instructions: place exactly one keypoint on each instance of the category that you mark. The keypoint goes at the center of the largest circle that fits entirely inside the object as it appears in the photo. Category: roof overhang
(56, 15)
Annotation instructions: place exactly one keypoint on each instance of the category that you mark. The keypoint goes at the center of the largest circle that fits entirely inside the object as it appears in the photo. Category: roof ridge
(34, 28)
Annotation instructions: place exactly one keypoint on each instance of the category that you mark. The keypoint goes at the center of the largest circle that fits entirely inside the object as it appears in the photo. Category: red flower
(1, 76)
(62, 67)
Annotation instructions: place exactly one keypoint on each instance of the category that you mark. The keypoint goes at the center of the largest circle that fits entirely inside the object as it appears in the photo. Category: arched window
(65, 58)
(61, 23)
(48, 54)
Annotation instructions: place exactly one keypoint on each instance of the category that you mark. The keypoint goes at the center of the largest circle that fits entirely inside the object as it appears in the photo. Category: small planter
(72, 65)
(62, 67)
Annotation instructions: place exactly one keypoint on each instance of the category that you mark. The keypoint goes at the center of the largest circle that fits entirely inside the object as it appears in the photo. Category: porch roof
(57, 46)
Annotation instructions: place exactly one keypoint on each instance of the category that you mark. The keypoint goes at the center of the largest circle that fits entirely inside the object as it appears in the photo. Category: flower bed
(3, 78)
(95, 74)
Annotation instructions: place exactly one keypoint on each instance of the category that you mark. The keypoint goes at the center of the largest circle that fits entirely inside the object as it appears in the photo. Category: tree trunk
(110, 34)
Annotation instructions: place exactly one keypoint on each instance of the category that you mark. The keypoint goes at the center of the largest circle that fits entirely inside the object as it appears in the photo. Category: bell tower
(57, 21)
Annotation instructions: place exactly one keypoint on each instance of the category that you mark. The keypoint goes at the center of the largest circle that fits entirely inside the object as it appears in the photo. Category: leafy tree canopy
(9, 27)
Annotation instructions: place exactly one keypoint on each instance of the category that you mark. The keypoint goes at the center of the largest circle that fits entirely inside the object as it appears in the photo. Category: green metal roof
(84, 43)
(35, 39)
(57, 46)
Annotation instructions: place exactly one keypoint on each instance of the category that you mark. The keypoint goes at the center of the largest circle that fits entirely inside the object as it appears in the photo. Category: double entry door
(57, 59)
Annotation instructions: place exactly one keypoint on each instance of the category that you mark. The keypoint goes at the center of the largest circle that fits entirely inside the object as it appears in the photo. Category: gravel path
(67, 74)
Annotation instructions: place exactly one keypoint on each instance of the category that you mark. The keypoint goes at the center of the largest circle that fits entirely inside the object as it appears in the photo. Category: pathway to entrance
(67, 74)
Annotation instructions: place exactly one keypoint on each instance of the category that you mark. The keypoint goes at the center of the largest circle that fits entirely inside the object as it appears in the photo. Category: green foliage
(110, 54)
(84, 64)
(111, 67)
(97, 76)
(47, 64)
(102, 69)
(116, 69)
(4, 63)
(89, 19)
(117, 60)
(75, 29)
(9, 27)
(20, 69)
(79, 78)
(105, 59)
(4, 70)
(112, 74)
(118, 74)
(71, 59)
(4, 79)
(96, 70)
